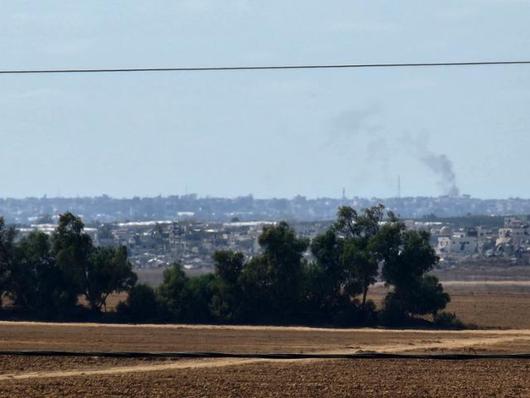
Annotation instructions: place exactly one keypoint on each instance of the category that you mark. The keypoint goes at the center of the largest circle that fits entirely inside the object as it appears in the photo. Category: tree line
(65, 276)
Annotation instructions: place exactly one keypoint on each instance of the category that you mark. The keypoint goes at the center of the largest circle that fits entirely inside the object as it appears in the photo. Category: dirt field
(237, 339)
(503, 304)
(305, 378)
(492, 304)
(32, 376)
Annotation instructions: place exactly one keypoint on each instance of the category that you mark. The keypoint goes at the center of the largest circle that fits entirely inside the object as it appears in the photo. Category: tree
(228, 265)
(109, 271)
(283, 254)
(346, 264)
(173, 291)
(92, 271)
(272, 281)
(187, 299)
(428, 297)
(72, 249)
(36, 283)
(226, 301)
(424, 296)
(360, 255)
(7, 237)
(407, 257)
(199, 294)
(327, 285)
(141, 305)
(257, 281)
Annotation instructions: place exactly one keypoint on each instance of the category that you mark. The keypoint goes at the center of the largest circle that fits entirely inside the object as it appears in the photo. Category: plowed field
(45, 375)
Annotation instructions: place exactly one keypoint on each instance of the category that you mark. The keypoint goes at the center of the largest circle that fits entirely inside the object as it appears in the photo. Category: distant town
(187, 229)
(104, 209)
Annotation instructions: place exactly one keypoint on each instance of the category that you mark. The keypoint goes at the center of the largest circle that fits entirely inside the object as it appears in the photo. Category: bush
(141, 306)
(448, 320)
(393, 312)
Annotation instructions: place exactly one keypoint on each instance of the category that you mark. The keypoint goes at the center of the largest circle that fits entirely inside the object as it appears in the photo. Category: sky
(266, 133)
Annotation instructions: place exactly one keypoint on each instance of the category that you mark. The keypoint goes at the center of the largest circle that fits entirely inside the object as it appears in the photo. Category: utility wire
(263, 67)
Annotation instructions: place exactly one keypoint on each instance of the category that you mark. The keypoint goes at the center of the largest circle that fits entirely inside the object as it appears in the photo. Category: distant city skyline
(207, 196)
(182, 208)
(269, 133)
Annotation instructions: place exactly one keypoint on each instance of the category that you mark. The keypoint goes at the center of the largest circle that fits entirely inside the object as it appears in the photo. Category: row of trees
(280, 286)
(46, 275)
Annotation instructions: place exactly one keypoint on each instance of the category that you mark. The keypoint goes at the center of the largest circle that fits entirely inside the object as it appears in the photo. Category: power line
(263, 67)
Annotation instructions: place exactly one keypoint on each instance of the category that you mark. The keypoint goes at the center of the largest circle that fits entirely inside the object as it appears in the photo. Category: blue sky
(270, 133)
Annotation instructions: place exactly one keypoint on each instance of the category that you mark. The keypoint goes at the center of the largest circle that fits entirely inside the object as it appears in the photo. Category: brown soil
(493, 304)
(99, 337)
(367, 378)
(81, 367)
(17, 364)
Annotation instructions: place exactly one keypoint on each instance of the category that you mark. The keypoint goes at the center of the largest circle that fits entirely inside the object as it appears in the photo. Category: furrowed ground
(500, 305)
(362, 378)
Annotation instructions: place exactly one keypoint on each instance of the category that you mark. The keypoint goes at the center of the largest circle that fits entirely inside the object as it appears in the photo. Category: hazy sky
(270, 133)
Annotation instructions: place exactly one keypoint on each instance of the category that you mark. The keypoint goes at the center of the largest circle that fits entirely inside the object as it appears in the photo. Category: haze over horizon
(272, 133)
(334, 197)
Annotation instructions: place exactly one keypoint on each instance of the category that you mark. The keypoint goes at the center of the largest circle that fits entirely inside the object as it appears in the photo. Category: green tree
(408, 256)
(428, 297)
(173, 292)
(141, 305)
(327, 282)
(187, 299)
(36, 283)
(92, 271)
(199, 295)
(109, 271)
(72, 249)
(272, 281)
(360, 255)
(7, 237)
(228, 265)
(226, 301)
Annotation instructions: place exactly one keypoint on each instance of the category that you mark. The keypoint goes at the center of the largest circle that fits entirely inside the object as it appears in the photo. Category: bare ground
(367, 378)
(242, 339)
(503, 304)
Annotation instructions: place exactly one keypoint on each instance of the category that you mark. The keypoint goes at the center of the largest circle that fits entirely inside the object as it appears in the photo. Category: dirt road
(30, 376)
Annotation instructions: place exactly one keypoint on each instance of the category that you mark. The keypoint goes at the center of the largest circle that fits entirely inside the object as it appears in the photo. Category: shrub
(141, 306)
(448, 320)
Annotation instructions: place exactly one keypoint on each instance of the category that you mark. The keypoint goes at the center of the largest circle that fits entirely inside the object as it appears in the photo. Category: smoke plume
(438, 163)
(442, 166)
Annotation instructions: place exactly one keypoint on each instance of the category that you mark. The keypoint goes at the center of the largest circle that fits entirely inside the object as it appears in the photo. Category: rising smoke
(378, 147)
(438, 163)
(442, 166)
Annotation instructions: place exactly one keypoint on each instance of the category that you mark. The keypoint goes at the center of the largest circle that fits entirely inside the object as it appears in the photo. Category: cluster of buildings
(454, 243)
(155, 244)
